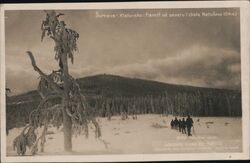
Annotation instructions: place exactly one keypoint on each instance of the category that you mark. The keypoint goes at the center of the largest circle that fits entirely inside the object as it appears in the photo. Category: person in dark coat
(183, 128)
(172, 124)
(189, 123)
(176, 123)
(179, 125)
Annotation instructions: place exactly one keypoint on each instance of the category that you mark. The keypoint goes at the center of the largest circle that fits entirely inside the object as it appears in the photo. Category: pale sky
(199, 51)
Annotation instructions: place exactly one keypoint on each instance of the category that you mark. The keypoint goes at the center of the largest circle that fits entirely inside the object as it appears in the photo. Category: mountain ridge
(90, 84)
(113, 95)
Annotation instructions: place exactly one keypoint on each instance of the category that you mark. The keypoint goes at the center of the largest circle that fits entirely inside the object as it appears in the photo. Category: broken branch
(37, 69)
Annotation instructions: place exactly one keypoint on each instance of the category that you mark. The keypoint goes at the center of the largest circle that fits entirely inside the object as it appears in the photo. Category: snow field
(150, 133)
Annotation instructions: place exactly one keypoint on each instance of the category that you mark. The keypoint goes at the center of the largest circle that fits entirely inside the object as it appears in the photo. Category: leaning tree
(72, 111)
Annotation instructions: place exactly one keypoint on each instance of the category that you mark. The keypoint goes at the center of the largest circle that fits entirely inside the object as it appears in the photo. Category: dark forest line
(110, 95)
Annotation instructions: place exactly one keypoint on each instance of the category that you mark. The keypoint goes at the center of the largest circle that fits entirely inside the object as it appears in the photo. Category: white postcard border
(244, 20)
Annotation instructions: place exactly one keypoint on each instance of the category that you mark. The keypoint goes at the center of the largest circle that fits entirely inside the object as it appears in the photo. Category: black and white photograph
(125, 81)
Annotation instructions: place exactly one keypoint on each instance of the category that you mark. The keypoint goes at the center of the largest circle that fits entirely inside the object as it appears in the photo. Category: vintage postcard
(138, 81)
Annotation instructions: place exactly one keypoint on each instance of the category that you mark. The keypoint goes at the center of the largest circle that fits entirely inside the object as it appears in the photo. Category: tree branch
(42, 103)
(54, 107)
(34, 148)
(53, 84)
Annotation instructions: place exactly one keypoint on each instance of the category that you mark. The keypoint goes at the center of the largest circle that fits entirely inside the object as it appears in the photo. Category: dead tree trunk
(67, 121)
(67, 130)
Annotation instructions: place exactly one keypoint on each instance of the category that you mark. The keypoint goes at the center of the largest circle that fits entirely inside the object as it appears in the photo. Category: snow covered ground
(221, 134)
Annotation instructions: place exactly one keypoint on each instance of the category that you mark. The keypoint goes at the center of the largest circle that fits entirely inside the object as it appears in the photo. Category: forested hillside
(114, 95)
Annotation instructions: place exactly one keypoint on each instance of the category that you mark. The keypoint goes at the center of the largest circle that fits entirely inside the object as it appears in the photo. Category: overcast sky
(200, 51)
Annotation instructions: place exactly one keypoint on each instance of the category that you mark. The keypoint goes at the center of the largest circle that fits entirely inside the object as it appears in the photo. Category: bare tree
(73, 112)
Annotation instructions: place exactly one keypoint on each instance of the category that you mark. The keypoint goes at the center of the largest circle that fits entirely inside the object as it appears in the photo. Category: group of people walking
(184, 126)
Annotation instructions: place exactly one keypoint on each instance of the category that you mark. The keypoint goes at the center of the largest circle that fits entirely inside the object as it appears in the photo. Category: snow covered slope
(142, 136)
